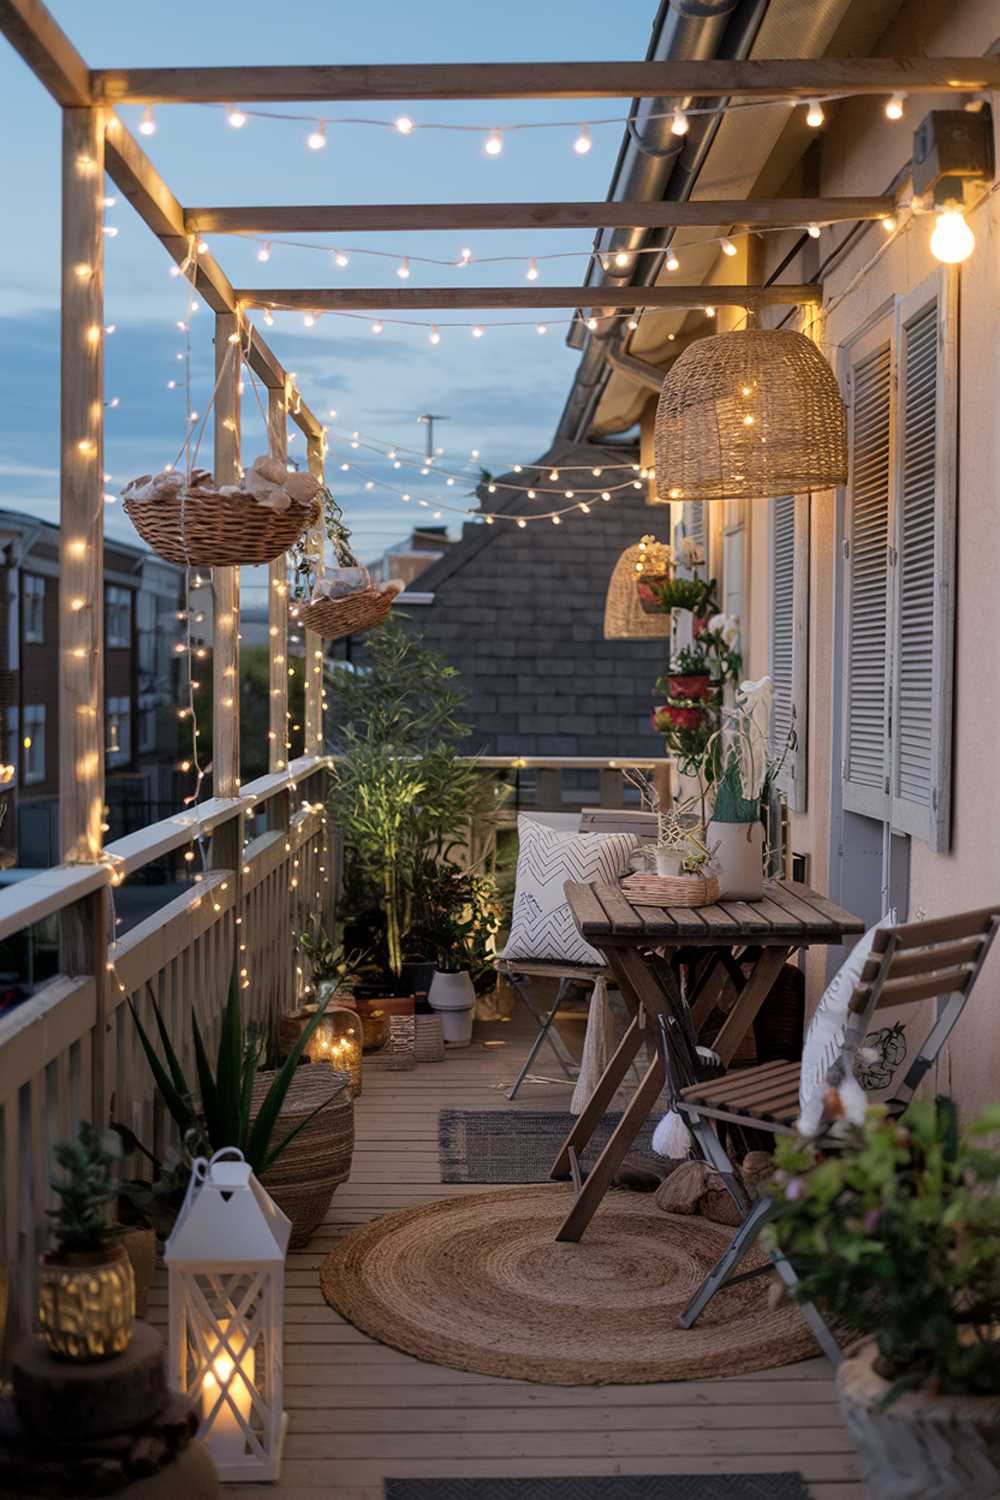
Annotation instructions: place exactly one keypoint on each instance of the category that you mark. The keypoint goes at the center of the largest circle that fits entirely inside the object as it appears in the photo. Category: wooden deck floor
(360, 1412)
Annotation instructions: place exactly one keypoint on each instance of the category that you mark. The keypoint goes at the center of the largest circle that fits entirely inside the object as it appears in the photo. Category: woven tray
(218, 531)
(671, 890)
(333, 618)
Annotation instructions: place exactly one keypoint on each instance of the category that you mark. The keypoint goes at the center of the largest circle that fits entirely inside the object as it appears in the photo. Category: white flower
(754, 700)
(730, 630)
(692, 555)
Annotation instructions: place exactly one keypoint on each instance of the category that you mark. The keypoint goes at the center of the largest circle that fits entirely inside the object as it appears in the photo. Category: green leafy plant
(399, 792)
(898, 1233)
(219, 1112)
(330, 960)
(156, 1202)
(695, 594)
(457, 916)
(82, 1222)
(690, 661)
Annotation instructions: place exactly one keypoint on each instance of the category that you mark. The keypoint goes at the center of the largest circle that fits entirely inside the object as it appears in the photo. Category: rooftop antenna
(429, 418)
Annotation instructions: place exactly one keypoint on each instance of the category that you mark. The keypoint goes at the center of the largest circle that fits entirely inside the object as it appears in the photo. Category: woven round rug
(480, 1283)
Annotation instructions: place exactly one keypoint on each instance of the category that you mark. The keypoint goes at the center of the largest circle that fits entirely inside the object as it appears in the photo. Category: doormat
(515, 1145)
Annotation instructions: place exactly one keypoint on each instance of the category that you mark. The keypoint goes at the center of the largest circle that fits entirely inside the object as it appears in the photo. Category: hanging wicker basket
(625, 615)
(199, 526)
(750, 415)
(334, 618)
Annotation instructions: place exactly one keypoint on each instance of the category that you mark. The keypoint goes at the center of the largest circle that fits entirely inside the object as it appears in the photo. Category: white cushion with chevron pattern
(542, 927)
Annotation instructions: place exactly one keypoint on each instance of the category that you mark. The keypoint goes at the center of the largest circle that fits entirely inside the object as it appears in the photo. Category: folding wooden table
(644, 946)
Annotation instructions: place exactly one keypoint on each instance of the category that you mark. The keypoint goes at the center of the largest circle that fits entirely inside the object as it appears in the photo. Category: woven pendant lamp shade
(624, 616)
(748, 416)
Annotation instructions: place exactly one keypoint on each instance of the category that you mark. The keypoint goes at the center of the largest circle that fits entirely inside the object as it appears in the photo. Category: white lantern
(226, 1259)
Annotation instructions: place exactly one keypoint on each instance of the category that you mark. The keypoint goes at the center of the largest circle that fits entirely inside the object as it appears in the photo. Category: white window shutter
(924, 562)
(867, 680)
(789, 641)
(694, 523)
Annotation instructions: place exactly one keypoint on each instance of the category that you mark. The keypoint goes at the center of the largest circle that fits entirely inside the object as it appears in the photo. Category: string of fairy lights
(494, 137)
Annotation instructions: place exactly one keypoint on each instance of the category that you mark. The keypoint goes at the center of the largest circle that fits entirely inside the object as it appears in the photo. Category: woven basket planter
(671, 890)
(625, 616)
(429, 1039)
(307, 1173)
(750, 415)
(334, 618)
(202, 528)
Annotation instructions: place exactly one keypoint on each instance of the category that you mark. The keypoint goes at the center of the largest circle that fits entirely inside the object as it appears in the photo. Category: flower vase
(738, 850)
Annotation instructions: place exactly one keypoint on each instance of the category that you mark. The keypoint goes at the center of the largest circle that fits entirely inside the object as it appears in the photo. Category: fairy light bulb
(888, 223)
(531, 274)
(583, 142)
(541, 328)
(522, 523)
(404, 125)
(464, 257)
(679, 124)
(671, 262)
(268, 317)
(377, 327)
(592, 324)
(727, 247)
(403, 269)
(264, 253)
(632, 324)
(434, 338)
(556, 521)
(895, 107)
(309, 320)
(494, 143)
(622, 260)
(316, 139)
(709, 312)
(952, 241)
(147, 125)
(478, 331)
(814, 114)
(237, 119)
(812, 231)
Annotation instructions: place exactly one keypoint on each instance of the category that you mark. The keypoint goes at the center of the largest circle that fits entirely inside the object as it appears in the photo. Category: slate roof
(520, 613)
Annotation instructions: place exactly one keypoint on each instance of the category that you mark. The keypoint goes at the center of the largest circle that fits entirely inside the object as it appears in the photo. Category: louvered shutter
(789, 642)
(866, 686)
(923, 564)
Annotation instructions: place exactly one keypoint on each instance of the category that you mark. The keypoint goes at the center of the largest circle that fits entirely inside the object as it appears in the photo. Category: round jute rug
(479, 1283)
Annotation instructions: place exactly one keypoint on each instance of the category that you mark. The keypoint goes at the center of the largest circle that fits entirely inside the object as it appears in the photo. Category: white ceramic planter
(454, 998)
(740, 857)
(668, 862)
(920, 1446)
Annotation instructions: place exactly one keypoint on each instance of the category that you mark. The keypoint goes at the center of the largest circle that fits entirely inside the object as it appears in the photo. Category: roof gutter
(654, 165)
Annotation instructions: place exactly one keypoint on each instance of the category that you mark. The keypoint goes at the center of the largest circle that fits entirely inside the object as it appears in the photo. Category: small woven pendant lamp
(750, 415)
(624, 617)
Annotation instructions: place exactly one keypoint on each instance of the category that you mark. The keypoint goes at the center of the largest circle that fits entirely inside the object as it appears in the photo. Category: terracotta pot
(689, 685)
(740, 857)
(86, 1303)
(920, 1445)
(140, 1247)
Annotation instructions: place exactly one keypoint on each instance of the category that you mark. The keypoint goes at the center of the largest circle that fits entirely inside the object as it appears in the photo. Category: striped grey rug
(786, 1486)
(518, 1145)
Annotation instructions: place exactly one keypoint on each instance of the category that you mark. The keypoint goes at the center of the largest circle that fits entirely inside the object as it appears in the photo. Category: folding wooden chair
(917, 961)
(519, 974)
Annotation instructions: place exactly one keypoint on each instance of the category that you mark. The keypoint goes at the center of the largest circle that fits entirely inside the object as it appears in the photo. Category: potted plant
(147, 1208)
(689, 674)
(86, 1290)
(457, 918)
(238, 1104)
(897, 1234)
(738, 755)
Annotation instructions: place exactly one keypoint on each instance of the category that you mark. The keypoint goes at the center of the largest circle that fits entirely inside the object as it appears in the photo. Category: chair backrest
(915, 961)
(619, 820)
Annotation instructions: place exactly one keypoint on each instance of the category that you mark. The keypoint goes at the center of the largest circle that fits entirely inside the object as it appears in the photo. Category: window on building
(117, 616)
(33, 606)
(900, 566)
(788, 662)
(33, 742)
(118, 717)
(147, 723)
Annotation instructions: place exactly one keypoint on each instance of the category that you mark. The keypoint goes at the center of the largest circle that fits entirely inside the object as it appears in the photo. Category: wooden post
(227, 841)
(277, 622)
(84, 926)
(314, 740)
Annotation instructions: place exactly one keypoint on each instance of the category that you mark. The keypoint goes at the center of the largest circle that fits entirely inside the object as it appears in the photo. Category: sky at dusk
(502, 393)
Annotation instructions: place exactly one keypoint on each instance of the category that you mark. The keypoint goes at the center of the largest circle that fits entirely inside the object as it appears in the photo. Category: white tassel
(598, 1045)
(671, 1138)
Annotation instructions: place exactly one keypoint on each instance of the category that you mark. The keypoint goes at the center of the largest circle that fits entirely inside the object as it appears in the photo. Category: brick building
(519, 611)
(142, 600)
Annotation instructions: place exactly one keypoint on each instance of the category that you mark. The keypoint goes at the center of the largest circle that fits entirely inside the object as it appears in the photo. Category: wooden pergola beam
(48, 51)
(368, 217)
(412, 299)
(800, 78)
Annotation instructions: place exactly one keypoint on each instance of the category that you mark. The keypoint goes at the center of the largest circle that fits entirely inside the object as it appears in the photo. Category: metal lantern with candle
(339, 1040)
(226, 1258)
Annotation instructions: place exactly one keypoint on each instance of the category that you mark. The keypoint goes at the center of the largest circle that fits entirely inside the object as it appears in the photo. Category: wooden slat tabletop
(790, 914)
